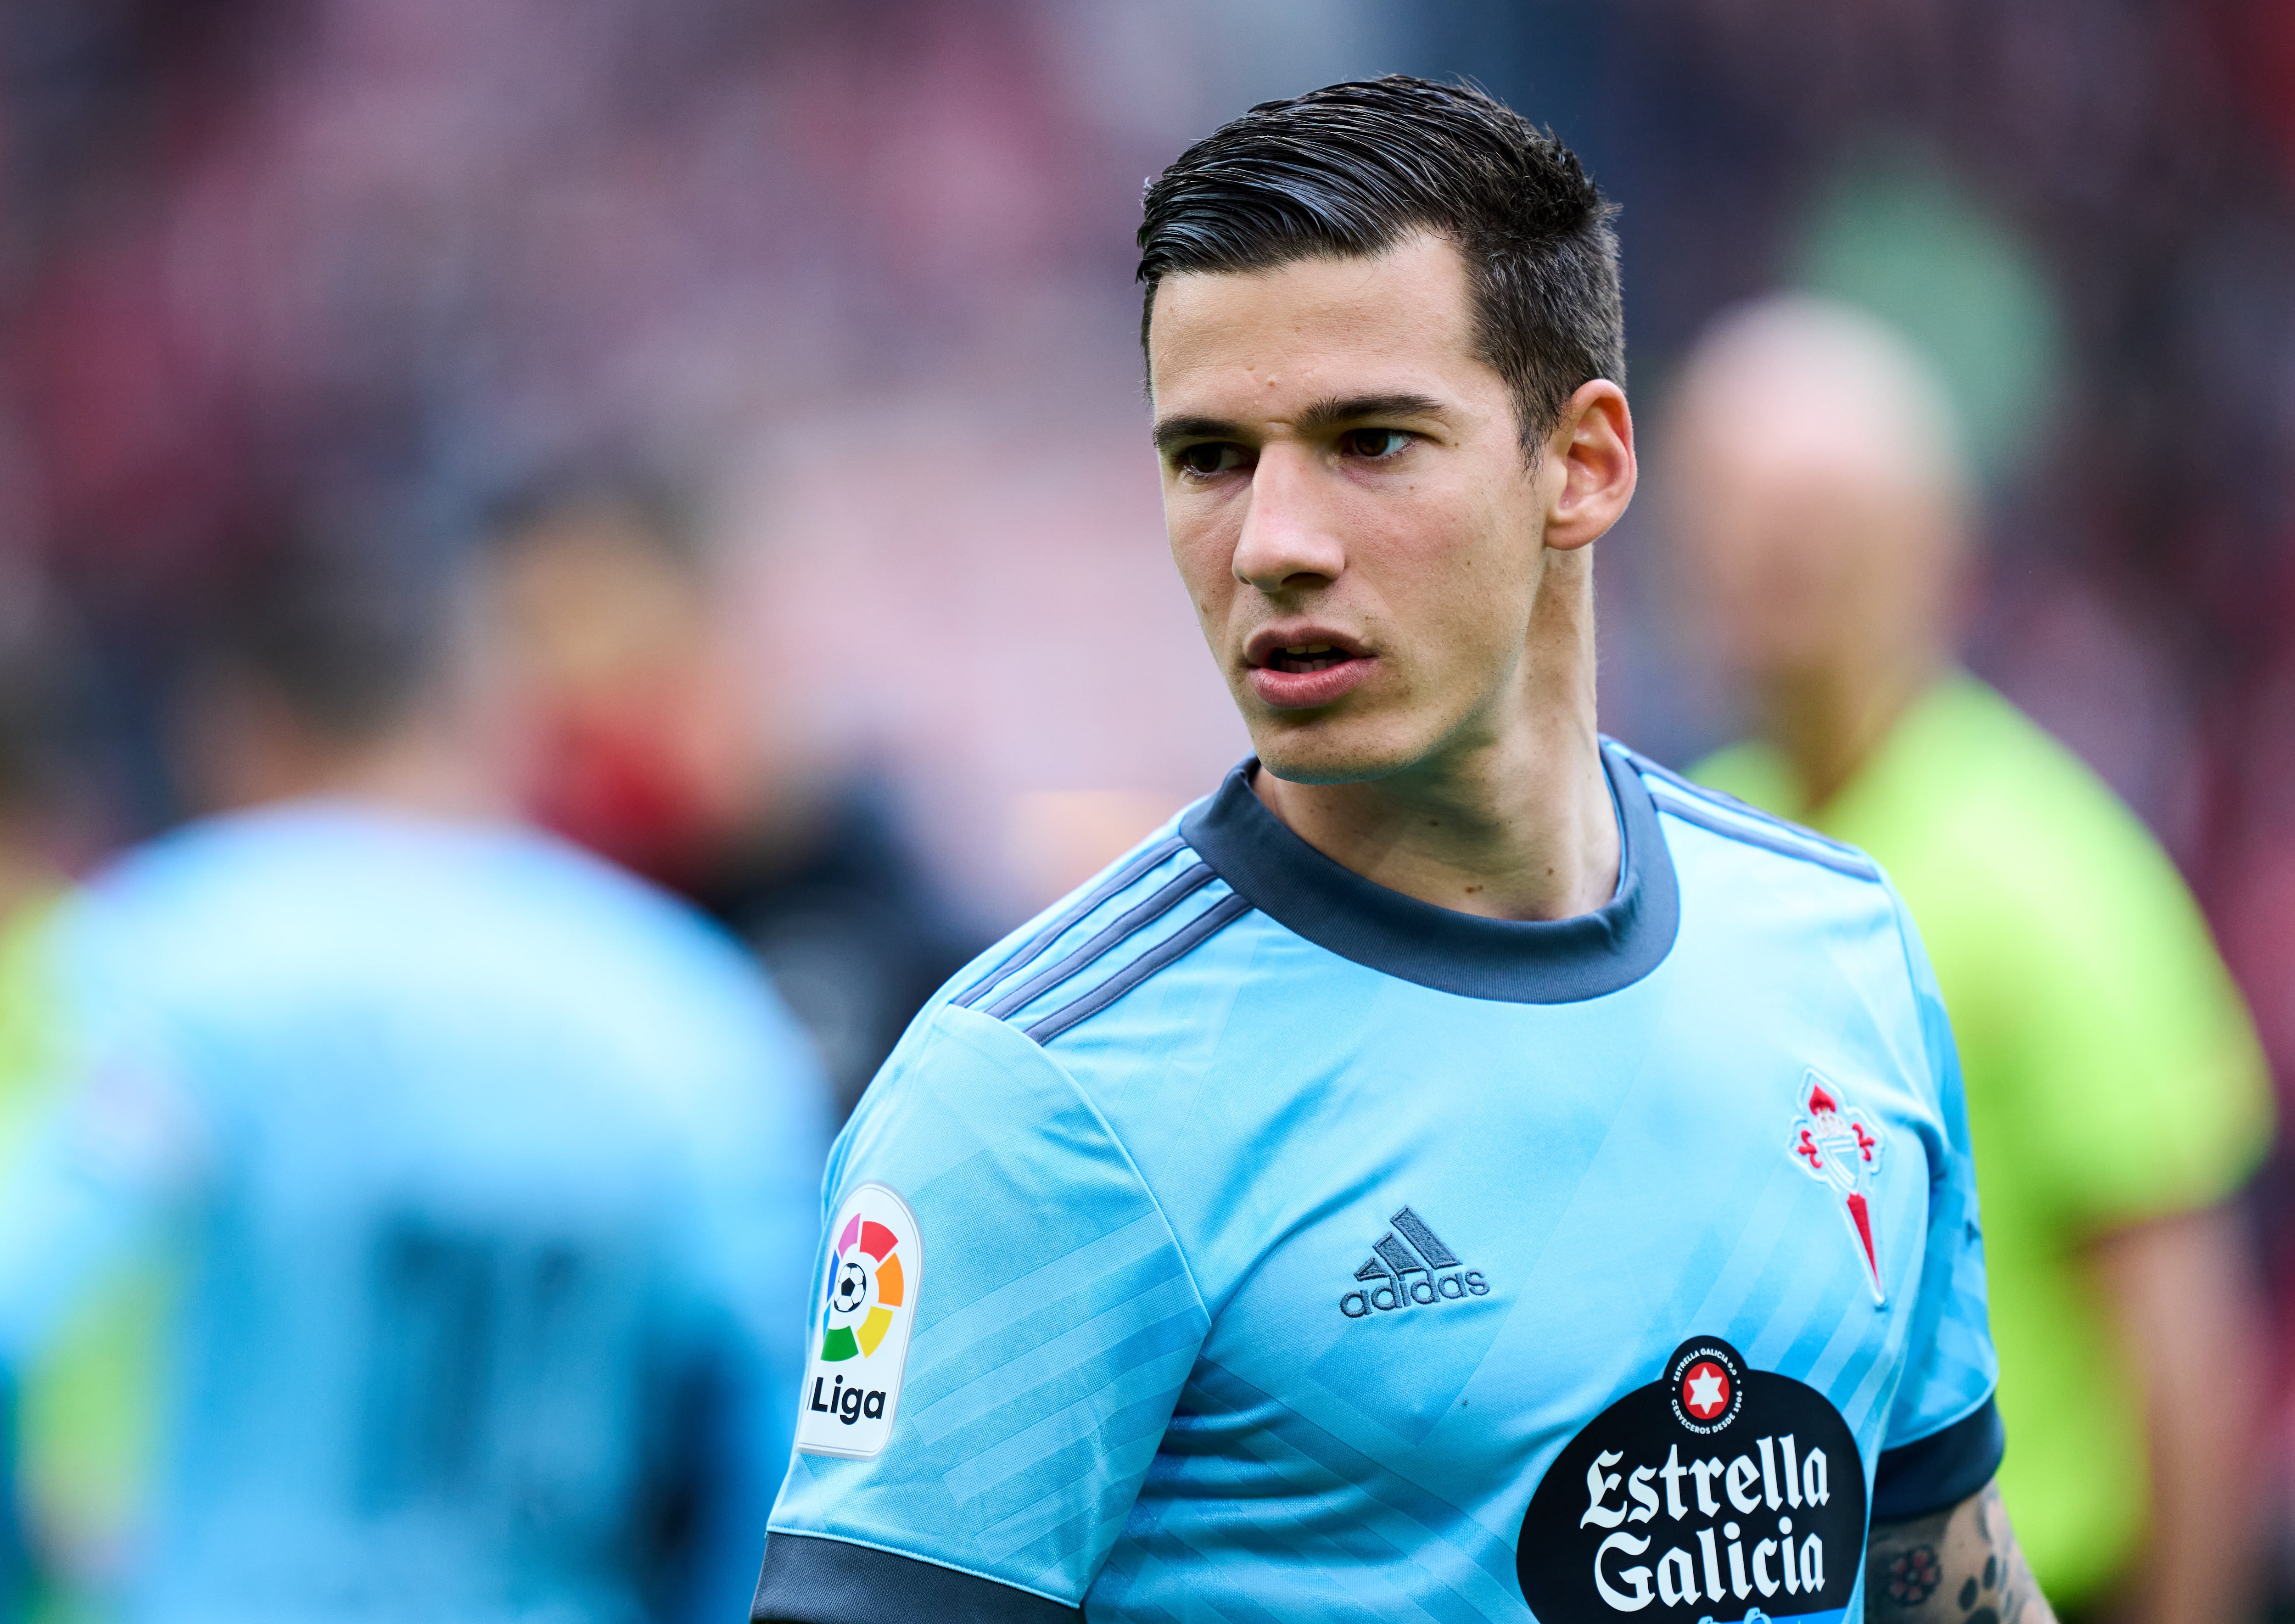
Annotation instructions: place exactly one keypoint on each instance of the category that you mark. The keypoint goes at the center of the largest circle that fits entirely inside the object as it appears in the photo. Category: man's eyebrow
(1323, 414)
(1171, 430)
(1331, 412)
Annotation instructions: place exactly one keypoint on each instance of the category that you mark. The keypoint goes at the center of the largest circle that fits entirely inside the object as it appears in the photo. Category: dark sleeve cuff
(1941, 1470)
(811, 1581)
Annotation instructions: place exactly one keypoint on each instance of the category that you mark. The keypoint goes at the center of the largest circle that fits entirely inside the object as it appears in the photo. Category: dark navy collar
(1521, 961)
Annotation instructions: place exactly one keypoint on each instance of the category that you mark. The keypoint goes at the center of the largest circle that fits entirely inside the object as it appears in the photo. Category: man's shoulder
(2037, 807)
(1722, 828)
(1999, 833)
(1752, 881)
(249, 917)
(1102, 942)
(1748, 770)
(1055, 1025)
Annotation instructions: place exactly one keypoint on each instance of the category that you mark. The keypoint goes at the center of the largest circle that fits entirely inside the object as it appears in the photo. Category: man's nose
(1287, 533)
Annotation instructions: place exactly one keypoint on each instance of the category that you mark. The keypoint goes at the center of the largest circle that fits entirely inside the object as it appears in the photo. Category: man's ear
(1592, 450)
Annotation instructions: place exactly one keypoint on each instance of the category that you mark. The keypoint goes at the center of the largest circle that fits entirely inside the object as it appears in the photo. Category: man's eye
(1372, 444)
(1211, 457)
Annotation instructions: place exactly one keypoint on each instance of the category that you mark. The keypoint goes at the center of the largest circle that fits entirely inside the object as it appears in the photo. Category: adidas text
(1406, 1268)
(1386, 1299)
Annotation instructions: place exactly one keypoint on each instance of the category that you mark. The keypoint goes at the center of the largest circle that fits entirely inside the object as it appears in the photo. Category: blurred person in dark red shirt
(639, 737)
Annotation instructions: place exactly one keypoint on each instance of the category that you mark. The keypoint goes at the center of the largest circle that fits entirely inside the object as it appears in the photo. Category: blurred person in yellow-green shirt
(2116, 1092)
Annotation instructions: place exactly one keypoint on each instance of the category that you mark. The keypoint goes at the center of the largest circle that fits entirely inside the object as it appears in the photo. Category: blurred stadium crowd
(751, 386)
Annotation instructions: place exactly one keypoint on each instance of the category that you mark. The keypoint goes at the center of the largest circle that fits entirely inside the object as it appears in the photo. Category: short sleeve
(1944, 1439)
(1054, 1322)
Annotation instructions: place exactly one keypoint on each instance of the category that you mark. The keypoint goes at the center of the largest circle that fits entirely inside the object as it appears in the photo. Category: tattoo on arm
(1958, 1566)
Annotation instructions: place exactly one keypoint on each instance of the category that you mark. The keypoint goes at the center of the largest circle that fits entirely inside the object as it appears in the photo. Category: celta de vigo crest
(1839, 1146)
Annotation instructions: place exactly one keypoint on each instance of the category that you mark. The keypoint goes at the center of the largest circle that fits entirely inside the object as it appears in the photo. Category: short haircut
(654, 509)
(1350, 169)
(346, 627)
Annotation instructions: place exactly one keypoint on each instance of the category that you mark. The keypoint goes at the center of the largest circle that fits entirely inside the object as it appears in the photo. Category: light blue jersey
(490, 1177)
(1247, 1242)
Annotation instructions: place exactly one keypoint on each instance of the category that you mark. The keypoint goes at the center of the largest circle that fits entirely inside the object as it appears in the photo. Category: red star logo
(1705, 1390)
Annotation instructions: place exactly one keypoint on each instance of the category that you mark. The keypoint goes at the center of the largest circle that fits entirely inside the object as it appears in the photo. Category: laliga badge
(853, 1382)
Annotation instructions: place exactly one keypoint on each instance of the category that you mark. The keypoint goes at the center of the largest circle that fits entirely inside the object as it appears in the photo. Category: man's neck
(1828, 722)
(1519, 824)
(425, 770)
(1508, 841)
(422, 768)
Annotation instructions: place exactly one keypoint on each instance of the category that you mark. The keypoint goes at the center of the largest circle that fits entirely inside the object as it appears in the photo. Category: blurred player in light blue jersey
(488, 1172)
(1457, 1171)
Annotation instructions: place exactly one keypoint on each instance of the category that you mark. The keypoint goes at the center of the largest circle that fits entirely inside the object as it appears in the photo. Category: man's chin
(1330, 750)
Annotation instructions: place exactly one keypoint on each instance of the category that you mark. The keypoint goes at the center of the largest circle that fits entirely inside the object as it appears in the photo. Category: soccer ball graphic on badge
(865, 1285)
(869, 1280)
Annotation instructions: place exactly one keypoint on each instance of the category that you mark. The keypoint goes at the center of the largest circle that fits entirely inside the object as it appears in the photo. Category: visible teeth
(1307, 648)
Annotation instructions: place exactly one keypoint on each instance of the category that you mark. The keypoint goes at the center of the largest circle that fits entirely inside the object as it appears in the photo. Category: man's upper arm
(1957, 1565)
(1944, 1439)
(1044, 1326)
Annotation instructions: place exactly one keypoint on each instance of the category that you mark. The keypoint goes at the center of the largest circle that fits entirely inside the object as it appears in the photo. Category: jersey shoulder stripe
(1724, 814)
(1137, 917)
(1182, 942)
(1124, 874)
(1151, 910)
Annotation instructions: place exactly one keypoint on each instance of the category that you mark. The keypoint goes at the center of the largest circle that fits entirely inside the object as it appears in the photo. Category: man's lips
(1299, 669)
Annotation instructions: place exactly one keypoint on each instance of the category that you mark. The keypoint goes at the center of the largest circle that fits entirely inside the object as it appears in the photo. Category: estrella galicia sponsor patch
(860, 1334)
(1715, 1492)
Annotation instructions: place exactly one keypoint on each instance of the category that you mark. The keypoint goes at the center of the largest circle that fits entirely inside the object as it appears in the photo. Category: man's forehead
(1391, 323)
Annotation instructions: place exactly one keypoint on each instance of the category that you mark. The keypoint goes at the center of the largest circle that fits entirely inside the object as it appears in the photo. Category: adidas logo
(1407, 1267)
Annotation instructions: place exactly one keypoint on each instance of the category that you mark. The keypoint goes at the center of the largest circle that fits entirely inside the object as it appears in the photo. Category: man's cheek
(1209, 579)
(1195, 550)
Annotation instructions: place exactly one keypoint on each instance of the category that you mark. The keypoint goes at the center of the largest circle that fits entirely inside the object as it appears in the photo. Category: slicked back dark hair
(1351, 169)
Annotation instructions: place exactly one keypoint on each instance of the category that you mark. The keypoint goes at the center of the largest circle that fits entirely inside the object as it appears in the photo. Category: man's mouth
(1300, 657)
(1313, 667)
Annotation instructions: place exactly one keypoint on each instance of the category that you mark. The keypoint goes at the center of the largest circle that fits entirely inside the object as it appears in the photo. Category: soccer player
(489, 1170)
(2116, 1091)
(1456, 1170)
